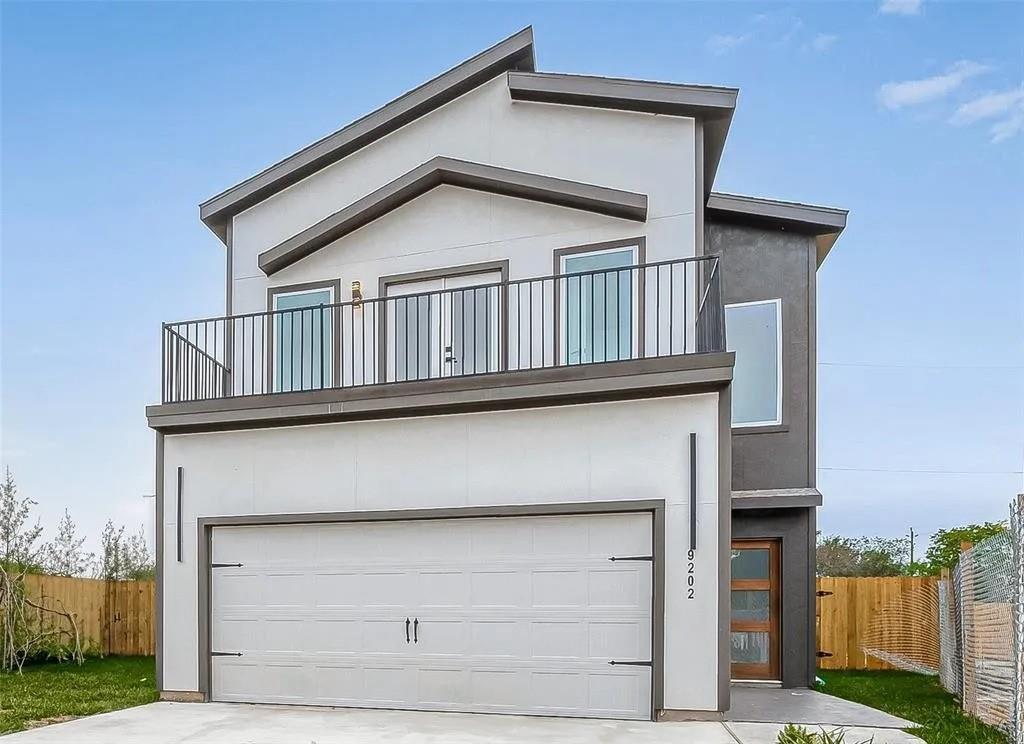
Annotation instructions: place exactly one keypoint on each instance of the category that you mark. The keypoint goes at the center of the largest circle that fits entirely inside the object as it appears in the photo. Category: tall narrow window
(599, 292)
(754, 331)
(303, 343)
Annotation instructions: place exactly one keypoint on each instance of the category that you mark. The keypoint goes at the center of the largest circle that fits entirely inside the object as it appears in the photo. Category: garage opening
(524, 615)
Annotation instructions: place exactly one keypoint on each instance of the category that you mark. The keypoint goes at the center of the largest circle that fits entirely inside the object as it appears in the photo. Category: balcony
(637, 312)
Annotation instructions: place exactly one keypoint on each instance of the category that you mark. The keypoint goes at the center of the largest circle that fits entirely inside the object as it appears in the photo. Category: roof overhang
(823, 223)
(713, 106)
(514, 53)
(442, 170)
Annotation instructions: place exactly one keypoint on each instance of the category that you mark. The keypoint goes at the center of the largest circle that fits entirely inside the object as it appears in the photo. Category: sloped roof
(824, 223)
(513, 53)
(713, 105)
(515, 56)
(443, 170)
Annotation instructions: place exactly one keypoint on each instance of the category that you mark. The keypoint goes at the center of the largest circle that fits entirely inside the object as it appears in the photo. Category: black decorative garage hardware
(632, 663)
(632, 558)
(224, 653)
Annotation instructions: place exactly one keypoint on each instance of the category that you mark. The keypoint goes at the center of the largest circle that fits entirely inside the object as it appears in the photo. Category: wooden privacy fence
(114, 617)
(895, 616)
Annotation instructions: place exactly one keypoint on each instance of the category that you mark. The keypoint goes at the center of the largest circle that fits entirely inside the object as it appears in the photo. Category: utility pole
(911, 548)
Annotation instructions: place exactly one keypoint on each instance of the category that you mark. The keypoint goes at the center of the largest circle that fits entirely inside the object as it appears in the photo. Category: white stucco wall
(594, 452)
(646, 153)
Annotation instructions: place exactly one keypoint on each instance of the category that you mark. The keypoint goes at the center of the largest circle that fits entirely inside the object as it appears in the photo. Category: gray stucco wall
(761, 264)
(796, 528)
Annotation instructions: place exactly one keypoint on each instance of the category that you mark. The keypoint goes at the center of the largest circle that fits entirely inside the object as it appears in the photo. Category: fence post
(1017, 541)
(969, 692)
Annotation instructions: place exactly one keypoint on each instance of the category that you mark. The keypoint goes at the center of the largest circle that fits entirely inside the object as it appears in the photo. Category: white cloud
(1010, 126)
(1007, 107)
(724, 43)
(900, 7)
(988, 106)
(913, 92)
(821, 42)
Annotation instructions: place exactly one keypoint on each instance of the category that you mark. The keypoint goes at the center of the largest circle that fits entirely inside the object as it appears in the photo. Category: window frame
(779, 376)
(273, 293)
(638, 246)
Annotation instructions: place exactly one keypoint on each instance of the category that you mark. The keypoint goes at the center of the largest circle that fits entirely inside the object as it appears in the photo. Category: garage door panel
(335, 636)
(618, 586)
(443, 588)
(337, 684)
(559, 588)
(500, 589)
(287, 589)
(624, 640)
(516, 615)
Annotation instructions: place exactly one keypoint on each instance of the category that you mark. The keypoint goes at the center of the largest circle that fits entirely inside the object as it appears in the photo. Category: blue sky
(118, 119)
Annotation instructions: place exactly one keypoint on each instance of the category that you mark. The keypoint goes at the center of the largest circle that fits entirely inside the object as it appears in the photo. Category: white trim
(777, 421)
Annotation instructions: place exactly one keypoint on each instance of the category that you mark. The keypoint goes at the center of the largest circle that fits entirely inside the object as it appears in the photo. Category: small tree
(124, 557)
(111, 562)
(944, 546)
(138, 563)
(18, 536)
(861, 556)
(27, 627)
(63, 556)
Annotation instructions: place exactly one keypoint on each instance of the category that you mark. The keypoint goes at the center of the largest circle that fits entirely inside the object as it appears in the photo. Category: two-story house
(471, 434)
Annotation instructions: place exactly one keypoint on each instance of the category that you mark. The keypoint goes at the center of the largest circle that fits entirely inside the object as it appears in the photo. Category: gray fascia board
(697, 101)
(824, 223)
(514, 53)
(777, 498)
(714, 105)
(443, 170)
(557, 386)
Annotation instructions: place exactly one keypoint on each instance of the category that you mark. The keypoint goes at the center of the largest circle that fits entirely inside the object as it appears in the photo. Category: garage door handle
(416, 630)
(406, 630)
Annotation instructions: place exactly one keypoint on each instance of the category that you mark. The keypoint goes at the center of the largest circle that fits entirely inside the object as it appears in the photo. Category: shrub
(799, 735)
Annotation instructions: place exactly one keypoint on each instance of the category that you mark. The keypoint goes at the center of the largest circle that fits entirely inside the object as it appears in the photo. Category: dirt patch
(47, 721)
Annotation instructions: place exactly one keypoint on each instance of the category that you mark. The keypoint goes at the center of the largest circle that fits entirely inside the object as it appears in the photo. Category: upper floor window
(754, 331)
(303, 338)
(599, 295)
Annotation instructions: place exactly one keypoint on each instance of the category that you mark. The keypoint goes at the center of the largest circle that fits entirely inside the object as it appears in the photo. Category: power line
(927, 471)
(922, 366)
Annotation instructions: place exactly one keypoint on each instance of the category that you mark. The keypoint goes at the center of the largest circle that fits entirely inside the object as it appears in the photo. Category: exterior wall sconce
(357, 293)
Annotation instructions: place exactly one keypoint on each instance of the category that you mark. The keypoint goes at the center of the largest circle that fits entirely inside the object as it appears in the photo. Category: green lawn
(915, 697)
(51, 691)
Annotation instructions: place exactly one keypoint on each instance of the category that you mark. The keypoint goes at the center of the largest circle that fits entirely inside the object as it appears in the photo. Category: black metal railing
(634, 312)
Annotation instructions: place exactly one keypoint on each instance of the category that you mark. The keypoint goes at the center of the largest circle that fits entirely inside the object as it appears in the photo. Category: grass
(916, 697)
(46, 693)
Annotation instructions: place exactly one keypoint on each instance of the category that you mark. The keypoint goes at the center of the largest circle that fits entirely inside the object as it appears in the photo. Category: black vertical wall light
(181, 478)
(693, 491)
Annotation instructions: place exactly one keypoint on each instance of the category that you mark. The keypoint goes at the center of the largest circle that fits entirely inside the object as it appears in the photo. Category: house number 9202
(690, 575)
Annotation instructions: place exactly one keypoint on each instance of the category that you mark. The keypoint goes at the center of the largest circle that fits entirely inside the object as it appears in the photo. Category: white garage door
(497, 615)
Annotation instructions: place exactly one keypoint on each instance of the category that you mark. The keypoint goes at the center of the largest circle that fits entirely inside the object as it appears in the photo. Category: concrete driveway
(225, 723)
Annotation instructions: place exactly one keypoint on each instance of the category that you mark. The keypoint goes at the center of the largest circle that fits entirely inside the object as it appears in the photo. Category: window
(754, 331)
(597, 320)
(303, 341)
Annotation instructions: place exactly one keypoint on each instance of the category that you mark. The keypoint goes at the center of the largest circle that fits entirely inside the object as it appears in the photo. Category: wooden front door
(755, 610)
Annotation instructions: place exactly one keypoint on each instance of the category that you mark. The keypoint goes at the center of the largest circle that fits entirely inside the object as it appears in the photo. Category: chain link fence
(981, 629)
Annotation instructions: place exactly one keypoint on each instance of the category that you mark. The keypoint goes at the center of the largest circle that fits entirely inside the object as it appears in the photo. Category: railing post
(163, 362)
